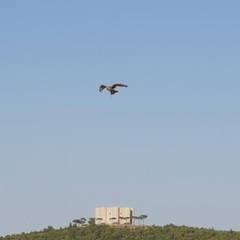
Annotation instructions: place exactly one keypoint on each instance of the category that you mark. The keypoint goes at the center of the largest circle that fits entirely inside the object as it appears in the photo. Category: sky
(168, 145)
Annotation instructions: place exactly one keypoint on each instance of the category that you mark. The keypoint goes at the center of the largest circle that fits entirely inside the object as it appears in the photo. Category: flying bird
(111, 89)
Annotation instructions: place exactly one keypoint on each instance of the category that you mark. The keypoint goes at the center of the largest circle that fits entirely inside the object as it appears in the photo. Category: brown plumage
(111, 89)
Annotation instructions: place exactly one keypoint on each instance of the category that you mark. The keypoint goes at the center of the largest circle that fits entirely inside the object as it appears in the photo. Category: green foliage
(79, 222)
(100, 232)
(91, 221)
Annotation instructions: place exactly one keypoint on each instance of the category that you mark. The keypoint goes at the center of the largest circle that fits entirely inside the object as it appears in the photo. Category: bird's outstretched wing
(118, 85)
(101, 87)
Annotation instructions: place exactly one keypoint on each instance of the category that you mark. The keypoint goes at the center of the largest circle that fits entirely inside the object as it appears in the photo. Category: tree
(91, 221)
(143, 217)
(136, 218)
(79, 222)
(83, 220)
(99, 219)
(127, 218)
(112, 218)
(121, 218)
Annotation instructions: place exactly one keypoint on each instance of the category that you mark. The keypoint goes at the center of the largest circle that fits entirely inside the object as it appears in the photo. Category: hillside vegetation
(96, 232)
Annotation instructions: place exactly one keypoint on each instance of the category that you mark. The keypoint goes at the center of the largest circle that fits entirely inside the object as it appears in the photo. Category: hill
(96, 232)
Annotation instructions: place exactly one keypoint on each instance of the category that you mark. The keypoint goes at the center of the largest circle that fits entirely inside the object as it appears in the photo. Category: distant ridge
(104, 232)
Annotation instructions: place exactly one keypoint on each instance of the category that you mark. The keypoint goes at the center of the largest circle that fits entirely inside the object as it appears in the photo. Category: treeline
(99, 232)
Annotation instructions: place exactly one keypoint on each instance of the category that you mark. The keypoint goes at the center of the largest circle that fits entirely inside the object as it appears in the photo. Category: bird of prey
(111, 89)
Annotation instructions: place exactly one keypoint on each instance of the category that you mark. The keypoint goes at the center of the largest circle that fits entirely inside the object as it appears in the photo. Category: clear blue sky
(168, 145)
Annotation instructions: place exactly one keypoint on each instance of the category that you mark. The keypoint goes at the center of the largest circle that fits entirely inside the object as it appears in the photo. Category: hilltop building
(114, 215)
